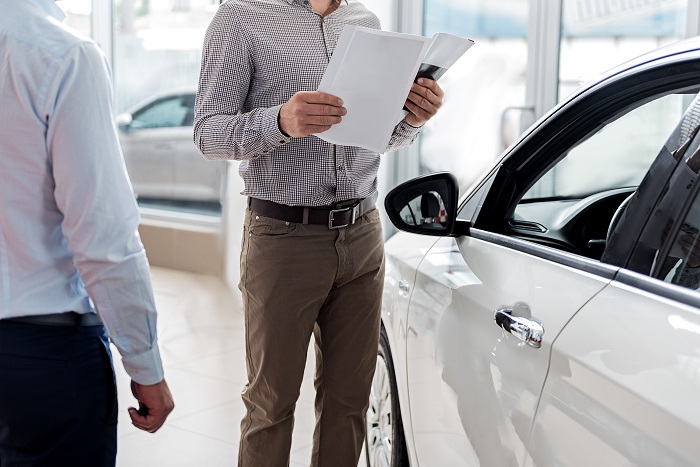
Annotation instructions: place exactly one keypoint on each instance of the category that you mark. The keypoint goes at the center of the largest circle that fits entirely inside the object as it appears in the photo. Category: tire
(385, 444)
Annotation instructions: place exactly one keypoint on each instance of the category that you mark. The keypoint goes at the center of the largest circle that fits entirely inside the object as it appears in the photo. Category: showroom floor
(201, 339)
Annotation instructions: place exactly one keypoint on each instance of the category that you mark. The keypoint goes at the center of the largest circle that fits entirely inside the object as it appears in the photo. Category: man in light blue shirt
(70, 255)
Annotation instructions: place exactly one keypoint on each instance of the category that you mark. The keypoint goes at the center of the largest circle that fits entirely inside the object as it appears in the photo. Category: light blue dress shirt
(68, 219)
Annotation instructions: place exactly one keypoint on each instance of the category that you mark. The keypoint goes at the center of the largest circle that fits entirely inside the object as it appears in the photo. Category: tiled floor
(201, 340)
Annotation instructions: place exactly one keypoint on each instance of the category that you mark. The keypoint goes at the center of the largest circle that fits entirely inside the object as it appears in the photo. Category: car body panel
(624, 384)
(468, 379)
(162, 160)
(403, 252)
(151, 159)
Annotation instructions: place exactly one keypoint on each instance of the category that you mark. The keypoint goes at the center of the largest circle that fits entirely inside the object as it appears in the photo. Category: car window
(572, 205)
(682, 264)
(645, 221)
(669, 244)
(617, 155)
(168, 112)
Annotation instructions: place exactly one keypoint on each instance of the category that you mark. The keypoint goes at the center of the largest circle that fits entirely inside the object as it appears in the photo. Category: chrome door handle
(525, 329)
(404, 286)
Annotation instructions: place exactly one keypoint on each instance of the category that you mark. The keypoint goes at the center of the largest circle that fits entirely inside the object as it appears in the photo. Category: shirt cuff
(145, 368)
(271, 128)
(404, 130)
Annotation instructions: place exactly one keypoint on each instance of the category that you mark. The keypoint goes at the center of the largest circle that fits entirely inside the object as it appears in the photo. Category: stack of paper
(372, 71)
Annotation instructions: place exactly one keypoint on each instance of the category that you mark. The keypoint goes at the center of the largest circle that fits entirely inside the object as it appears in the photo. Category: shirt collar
(50, 8)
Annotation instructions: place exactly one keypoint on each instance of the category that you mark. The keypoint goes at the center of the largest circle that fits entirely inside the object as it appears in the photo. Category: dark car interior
(584, 225)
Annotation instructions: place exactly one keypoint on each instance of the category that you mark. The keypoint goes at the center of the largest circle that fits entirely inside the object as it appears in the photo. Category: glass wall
(600, 34)
(78, 15)
(385, 10)
(484, 90)
(597, 35)
(157, 52)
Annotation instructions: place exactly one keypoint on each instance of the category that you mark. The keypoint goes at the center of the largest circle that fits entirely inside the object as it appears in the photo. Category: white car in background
(551, 315)
(162, 160)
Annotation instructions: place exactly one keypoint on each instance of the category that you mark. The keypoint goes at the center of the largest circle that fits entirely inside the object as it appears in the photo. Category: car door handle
(525, 329)
(404, 286)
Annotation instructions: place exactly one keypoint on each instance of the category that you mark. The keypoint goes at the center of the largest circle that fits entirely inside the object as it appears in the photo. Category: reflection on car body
(161, 157)
(556, 321)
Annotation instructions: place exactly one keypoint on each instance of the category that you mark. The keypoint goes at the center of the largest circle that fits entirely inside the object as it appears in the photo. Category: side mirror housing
(425, 205)
(123, 121)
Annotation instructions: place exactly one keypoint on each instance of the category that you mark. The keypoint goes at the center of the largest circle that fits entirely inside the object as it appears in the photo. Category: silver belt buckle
(354, 209)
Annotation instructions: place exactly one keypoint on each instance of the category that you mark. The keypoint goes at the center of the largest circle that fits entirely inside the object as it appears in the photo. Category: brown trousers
(296, 280)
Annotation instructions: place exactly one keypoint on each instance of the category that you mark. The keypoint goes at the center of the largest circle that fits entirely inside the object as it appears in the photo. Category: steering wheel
(617, 216)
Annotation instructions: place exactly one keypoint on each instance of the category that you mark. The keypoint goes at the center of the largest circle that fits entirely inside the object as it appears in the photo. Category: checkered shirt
(257, 54)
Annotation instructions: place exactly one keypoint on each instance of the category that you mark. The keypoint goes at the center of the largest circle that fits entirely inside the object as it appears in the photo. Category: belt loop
(305, 216)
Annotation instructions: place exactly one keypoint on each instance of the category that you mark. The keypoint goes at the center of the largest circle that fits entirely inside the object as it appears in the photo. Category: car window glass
(644, 221)
(169, 112)
(617, 155)
(682, 264)
(669, 243)
(572, 205)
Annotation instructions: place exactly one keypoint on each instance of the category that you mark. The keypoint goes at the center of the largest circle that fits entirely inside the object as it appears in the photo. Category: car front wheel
(385, 442)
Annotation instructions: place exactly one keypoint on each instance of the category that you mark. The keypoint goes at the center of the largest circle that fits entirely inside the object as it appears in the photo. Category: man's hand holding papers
(423, 101)
(375, 72)
(309, 112)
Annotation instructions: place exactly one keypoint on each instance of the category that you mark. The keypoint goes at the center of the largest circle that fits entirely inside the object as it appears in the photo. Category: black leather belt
(334, 217)
(70, 318)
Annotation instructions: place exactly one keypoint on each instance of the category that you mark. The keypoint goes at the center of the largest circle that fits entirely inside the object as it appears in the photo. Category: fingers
(308, 113)
(318, 97)
(424, 100)
(155, 404)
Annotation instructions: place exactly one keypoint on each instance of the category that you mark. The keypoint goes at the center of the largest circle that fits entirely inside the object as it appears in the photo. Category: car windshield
(616, 156)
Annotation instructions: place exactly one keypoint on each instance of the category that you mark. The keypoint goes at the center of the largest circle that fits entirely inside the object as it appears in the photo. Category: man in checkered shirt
(312, 259)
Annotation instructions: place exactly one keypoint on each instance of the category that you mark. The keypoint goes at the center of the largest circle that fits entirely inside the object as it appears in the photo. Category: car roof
(162, 94)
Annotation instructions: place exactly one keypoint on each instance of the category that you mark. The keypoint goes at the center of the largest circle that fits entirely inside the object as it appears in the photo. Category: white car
(551, 315)
(162, 160)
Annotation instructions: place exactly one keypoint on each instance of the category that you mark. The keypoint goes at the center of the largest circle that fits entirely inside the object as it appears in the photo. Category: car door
(474, 388)
(153, 144)
(537, 229)
(196, 178)
(625, 375)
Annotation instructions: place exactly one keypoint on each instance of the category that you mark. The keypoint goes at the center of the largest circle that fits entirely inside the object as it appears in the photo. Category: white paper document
(372, 71)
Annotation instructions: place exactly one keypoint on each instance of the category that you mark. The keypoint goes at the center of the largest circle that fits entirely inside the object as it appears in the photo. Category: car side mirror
(425, 205)
(124, 121)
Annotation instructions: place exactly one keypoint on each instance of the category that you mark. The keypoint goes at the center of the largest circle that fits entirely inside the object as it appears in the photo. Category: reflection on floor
(201, 339)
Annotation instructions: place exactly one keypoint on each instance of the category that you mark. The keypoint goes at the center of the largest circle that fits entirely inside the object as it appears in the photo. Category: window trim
(658, 287)
(572, 260)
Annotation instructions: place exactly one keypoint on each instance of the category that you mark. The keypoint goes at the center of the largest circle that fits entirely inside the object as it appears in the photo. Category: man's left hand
(155, 404)
(423, 101)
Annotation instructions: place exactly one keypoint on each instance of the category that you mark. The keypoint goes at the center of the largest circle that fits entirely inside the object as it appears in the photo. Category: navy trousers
(58, 402)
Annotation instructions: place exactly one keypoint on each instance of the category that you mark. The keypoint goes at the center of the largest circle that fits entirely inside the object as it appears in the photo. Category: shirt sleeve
(101, 218)
(221, 130)
(403, 135)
